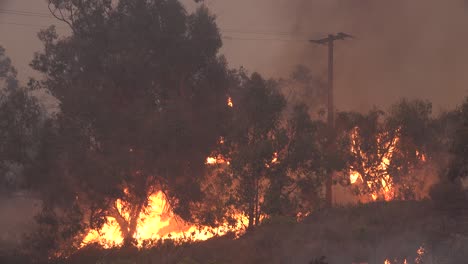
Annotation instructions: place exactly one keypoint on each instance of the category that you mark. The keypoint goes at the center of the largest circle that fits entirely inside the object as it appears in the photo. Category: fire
(373, 170)
(275, 157)
(158, 222)
(418, 260)
(386, 183)
(274, 160)
(230, 103)
(216, 160)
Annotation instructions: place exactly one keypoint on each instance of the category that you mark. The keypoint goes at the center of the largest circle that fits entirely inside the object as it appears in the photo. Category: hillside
(363, 233)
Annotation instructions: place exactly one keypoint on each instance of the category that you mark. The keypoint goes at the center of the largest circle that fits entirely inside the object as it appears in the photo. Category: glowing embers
(216, 160)
(418, 260)
(156, 222)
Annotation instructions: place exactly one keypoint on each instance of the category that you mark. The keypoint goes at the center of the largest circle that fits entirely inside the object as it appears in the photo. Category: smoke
(403, 48)
(17, 217)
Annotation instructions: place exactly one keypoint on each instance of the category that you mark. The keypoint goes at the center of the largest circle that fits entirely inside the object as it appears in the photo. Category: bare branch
(62, 17)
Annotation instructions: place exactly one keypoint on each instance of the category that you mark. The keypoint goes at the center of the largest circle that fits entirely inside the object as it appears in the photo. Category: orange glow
(382, 178)
(216, 160)
(275, 157)
(211, 160)
(386, 182)
(230, 103)
(419, 258)
(273, 160)
(421, 156)
(158, 222)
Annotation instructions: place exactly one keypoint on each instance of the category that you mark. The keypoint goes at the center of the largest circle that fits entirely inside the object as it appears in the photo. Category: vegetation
(146, 97)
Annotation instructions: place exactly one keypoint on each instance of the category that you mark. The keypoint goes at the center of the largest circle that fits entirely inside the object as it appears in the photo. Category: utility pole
(330, 41)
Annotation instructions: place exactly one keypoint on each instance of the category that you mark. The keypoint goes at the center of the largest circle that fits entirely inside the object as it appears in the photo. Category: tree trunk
(251, 215)
(256, 202)
(127, 227)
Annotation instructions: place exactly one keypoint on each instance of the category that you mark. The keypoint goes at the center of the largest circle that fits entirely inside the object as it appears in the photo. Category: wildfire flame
(386, 180)
(418, 260)
(383, 179)
(216, 160)
(157, 222)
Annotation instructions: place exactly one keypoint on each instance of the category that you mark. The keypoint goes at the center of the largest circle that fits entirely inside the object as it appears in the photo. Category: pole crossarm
(331, 37)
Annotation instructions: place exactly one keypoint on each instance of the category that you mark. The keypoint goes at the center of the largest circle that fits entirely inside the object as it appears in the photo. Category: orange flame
(216, 160)
(419, 258)
(275, 157)
(157, 222)
(386, 180)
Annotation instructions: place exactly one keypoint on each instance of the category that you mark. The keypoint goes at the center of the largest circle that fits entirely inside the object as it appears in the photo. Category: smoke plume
(403, 48)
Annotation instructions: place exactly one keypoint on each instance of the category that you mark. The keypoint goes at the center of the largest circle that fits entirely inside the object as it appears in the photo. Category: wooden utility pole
(331, 108)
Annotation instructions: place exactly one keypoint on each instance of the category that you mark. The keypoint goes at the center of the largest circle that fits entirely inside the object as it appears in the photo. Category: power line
(265, 32)
(24, 13)
(225, 30)
(28, 25)
(223, 37)
(264, 39)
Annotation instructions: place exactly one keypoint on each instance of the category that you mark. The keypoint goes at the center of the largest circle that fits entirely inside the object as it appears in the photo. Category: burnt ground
(362, 233)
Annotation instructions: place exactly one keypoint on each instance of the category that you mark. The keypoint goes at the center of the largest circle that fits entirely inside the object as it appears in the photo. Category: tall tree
(275, 162)
(459, 143)
(253, 140)
(296, 178)
(142, 95)
(414, 124)
(20, 123)
(384, 150)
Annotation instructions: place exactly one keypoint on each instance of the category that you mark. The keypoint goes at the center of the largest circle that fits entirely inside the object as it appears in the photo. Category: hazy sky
(403, 48)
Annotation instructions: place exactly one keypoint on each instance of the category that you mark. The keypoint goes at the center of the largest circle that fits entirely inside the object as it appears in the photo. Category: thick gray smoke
(403, 48)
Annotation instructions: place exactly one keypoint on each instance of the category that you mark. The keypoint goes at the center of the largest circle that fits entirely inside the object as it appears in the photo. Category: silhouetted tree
(275, 156)
(459, 144)
(295, 180)
(252, 140)
(387, 148)
(142, 95)
(20, 124)
(413, 122)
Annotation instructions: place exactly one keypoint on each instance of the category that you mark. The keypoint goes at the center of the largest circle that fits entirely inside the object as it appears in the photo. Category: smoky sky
(413, 49)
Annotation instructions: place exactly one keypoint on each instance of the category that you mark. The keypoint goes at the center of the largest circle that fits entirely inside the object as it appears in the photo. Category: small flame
(354, 176)
(211, 160)
(216, 160)
(230, 103)
(275, 157)
(419, 258)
